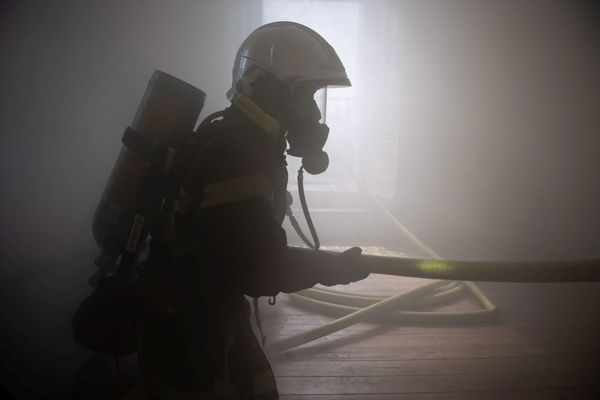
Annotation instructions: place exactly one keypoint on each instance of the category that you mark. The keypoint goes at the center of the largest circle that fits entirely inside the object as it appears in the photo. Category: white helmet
(292, 53)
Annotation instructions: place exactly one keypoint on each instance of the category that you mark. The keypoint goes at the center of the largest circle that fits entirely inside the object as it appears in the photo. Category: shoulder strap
(197, 139)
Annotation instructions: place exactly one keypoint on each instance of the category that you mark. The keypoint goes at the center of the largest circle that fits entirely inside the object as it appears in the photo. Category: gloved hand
(344, 269)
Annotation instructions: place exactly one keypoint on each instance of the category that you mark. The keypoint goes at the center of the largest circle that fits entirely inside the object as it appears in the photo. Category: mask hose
(307, 217)
(297, 229)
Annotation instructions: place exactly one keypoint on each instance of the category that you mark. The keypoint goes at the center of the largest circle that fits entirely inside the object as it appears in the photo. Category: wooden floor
(544, 343)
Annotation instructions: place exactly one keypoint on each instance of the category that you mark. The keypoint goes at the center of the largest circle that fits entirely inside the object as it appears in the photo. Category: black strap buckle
(155, 153)
(139, 144)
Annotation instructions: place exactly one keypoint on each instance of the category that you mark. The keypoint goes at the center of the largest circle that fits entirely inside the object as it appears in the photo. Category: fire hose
(357, 314)
(483, 271)
(359, 307)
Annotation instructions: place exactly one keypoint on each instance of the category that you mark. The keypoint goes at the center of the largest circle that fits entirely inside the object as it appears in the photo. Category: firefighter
(223, 239)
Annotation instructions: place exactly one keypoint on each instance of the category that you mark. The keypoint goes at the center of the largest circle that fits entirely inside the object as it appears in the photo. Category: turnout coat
(222, 242)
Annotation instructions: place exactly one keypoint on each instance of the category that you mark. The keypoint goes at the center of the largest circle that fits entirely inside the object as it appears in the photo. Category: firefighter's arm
(253, 246)
(330, 269)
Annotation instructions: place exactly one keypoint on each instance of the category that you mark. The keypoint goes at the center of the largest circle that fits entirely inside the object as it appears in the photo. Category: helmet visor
(321, 100)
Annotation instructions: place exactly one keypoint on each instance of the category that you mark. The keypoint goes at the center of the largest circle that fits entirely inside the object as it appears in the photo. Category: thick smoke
(495, 108)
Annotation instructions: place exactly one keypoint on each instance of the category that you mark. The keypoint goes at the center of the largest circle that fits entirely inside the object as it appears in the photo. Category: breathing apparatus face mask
(306, 135)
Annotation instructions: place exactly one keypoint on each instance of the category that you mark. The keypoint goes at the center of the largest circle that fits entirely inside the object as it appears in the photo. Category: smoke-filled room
(300, 200)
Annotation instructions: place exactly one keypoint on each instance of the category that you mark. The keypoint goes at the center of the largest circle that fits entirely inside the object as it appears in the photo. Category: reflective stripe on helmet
(233, 190)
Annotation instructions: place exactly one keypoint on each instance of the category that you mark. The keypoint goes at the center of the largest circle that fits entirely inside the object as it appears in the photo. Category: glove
(344, 269)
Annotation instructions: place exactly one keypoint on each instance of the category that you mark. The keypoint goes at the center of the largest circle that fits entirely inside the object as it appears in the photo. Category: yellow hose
(488, 271)
(354, 314)
(446, 293)
(349, 319)
(397, 315)
(359, 307)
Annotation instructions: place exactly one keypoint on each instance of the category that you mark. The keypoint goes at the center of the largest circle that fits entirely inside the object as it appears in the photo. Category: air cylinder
(166, 116)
